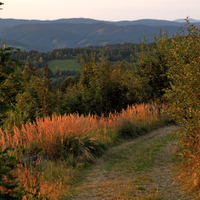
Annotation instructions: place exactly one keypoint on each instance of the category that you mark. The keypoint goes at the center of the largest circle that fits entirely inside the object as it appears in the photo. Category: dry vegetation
(48, 131)
(68, 142)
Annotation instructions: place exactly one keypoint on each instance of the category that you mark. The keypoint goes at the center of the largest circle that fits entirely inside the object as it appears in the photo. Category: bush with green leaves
(9, 184)
(35, 100)
(10, 81)
(152, 61)
(16, 180)
(184, 60)
(103, 88)
(183, 98)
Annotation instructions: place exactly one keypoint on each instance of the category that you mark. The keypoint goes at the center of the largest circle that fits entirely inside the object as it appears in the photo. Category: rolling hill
(80, 32)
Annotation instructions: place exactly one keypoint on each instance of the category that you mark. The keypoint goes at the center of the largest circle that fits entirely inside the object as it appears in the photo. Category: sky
(109, 10)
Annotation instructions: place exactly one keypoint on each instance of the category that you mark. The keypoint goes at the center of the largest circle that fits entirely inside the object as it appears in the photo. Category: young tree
(46, 77)
(184, 73)
(10, 80)
(153, 66)
(102, 88)
(184, 99)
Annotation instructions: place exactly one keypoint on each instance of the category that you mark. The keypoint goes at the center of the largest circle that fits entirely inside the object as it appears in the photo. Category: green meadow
(69, 64)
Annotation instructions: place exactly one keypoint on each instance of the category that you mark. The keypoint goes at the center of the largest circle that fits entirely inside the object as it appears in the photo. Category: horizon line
(99, 19)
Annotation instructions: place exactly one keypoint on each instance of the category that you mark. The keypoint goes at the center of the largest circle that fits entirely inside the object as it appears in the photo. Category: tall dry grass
(72, 136)
(45, 132)
(49, 130)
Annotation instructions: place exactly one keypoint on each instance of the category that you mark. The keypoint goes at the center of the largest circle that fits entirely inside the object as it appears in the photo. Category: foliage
(153, 66)
(103, 88)
(10, 80)
(184, 98)
(171, 68)
(188, 160)
(16, 180)
(66, 83)
(35, 100)
(46, 77)
(184, 95)
(115, 52)
(31, 181)
(9, 185)
(68, 60)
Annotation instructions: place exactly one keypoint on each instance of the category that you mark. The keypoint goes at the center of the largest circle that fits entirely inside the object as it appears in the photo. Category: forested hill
(48, 35)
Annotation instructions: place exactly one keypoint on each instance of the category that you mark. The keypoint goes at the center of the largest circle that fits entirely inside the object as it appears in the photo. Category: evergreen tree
(46, 77)
(10, 81)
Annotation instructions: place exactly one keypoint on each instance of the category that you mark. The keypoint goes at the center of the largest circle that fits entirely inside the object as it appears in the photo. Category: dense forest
(113, 53)
(165, 72)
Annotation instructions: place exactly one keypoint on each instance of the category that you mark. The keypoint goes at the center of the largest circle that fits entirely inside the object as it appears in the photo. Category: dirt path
(116, 176)
(162, 174)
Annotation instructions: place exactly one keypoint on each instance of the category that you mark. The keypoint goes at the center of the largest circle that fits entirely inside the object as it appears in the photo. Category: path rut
(106, 180)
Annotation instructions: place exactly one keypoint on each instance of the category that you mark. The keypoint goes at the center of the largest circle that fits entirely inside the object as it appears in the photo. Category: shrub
(184, 98)
(9, 184)
(152, 61)
(129, 130)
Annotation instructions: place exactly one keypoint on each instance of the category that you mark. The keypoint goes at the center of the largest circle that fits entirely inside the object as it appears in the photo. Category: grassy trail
(137, 169)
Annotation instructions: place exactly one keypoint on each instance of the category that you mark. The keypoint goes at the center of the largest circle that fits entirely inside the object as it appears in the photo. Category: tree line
(113, 52)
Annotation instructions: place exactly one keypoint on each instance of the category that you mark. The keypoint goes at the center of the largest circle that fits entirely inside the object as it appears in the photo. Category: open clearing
(70, 64)
(137, 169)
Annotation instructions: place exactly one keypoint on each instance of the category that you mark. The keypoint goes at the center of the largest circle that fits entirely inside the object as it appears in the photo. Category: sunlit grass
(125, 171)
(131, 188)
(139, 156)
(70, 142)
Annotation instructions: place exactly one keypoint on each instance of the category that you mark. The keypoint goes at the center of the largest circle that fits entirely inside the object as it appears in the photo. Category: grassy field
(69, 64)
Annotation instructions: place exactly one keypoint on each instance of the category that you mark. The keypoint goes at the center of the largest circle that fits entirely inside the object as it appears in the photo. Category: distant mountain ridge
(79, 32)
(190, 19)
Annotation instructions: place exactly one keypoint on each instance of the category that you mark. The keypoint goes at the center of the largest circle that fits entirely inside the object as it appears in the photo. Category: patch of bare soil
(104, 182)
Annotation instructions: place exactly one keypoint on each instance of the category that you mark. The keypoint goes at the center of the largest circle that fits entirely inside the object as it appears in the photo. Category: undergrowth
(69, 143)
(188, 162)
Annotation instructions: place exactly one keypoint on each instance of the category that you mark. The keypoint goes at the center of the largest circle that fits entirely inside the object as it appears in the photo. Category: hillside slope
(71, 33)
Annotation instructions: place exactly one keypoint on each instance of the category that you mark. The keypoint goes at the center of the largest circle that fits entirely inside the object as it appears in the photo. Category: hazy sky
(112, 10)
